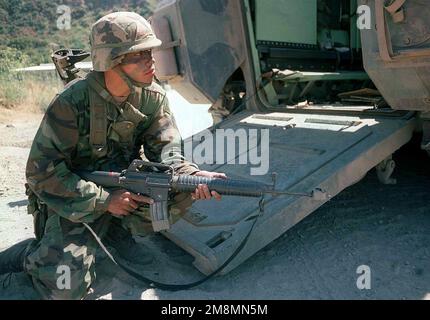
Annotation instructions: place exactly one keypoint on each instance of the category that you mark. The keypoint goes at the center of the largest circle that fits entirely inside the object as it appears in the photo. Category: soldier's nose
(150, 63)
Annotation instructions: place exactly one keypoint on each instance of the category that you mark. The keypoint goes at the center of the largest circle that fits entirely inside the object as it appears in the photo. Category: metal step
(307, 151)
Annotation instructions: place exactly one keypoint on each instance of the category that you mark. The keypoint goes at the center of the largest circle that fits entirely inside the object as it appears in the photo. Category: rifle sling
(178, 287)
(98, 98)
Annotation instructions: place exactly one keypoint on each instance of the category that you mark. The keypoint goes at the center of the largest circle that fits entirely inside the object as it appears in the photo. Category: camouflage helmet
(117, 34)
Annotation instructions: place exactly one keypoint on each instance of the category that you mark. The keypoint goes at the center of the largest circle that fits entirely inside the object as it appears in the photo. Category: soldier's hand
(122, 202)
(202, 191)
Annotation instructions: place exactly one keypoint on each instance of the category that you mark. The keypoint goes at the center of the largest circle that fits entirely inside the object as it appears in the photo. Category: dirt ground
(384, 227)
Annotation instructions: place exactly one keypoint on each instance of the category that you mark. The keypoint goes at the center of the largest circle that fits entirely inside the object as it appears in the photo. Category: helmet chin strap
(131, 83)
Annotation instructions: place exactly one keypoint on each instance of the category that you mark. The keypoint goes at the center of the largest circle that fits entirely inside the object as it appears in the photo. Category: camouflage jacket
(62, 146)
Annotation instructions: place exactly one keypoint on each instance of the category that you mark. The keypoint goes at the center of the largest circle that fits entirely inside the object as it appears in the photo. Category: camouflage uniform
(143, 126)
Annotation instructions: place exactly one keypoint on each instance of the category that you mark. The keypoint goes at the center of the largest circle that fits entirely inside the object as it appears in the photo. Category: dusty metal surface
(307, 152)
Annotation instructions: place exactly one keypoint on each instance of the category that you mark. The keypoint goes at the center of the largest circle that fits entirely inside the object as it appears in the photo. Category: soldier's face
(139, 66)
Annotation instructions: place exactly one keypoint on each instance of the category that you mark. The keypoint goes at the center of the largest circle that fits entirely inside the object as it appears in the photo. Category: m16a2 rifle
(157, 181)
(65, 60)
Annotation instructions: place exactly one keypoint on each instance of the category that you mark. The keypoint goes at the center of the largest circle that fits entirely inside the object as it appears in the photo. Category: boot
(12, 259)
(126, 247)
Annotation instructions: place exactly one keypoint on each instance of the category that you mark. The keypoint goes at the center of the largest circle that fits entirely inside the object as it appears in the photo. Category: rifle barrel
(229, 187)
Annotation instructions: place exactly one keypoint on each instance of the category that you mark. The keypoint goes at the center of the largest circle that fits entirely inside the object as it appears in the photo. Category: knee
(62, 276)
(62, 282)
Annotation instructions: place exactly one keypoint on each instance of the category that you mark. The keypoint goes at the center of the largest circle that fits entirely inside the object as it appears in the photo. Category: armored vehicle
(340, 85)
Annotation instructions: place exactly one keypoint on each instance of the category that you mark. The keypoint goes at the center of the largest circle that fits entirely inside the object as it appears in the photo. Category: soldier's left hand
(202, 191)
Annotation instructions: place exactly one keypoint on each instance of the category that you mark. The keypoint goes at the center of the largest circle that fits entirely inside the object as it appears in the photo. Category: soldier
(102, 122)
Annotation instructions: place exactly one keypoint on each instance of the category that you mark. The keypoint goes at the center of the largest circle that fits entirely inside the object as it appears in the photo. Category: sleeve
(163, 143)
(48, 173)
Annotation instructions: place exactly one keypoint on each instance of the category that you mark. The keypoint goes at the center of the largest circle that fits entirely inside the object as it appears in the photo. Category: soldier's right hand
(122, 202)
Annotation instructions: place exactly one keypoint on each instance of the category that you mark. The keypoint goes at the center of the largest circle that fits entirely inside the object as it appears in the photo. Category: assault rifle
(157, 180)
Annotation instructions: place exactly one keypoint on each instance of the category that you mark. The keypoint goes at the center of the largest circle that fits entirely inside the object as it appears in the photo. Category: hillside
(31, 26)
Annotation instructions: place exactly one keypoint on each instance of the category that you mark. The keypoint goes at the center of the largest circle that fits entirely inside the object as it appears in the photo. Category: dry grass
(27, 93)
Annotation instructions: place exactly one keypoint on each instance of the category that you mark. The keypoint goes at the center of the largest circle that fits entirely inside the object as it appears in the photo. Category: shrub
(25, 91)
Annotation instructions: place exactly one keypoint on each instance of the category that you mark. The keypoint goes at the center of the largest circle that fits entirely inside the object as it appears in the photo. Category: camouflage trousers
(70, 245)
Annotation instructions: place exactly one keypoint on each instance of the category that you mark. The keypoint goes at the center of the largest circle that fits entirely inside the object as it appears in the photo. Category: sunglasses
(137, 57)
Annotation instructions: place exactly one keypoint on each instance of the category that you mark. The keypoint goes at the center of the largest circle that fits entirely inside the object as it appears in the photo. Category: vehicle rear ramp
(327, 152)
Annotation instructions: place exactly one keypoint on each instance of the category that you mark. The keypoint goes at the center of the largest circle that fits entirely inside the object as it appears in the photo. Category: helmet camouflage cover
(117, 34)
